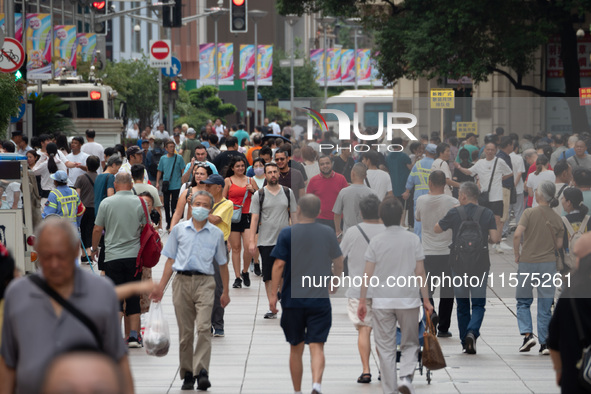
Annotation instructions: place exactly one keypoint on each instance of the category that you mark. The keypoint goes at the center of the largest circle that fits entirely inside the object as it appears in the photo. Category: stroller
(422, 327)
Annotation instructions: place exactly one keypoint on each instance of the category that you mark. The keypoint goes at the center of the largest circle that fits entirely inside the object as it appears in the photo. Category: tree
(454, 38)
(10, 93)
(137, 84)
(47, 114)
(197, 106)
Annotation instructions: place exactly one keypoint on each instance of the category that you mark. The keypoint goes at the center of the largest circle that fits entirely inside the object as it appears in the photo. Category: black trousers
(171, 197)
(439, 266)
(86, 227)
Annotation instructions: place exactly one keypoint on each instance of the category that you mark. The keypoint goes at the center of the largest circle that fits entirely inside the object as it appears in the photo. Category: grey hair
(54, 221)
(123, 178)
(547, 191)
(203, 193)
(470, 189)
(529, 153)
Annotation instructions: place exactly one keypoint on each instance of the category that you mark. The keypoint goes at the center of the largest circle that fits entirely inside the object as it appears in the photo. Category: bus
(367, 103)
(91, 106)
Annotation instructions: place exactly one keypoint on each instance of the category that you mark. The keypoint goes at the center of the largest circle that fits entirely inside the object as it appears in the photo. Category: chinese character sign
(86, 47)
(247, 64)
(464, 128)
(225, 63)
(317, 59)
(66, 44)
(442, 98)
(39, 46)
(554, 67)
(584, 96)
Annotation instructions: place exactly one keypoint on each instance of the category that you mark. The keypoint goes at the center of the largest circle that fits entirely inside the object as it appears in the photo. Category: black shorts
(267, 260)
(123, 271)
(243, 224)
(495, 206)
(311, 325)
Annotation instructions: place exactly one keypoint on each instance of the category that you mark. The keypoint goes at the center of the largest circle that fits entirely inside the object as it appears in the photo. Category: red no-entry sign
(160, 53)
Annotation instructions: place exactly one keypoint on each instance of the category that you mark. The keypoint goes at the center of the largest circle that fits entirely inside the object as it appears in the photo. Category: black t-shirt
(222, 161)
(343, 167)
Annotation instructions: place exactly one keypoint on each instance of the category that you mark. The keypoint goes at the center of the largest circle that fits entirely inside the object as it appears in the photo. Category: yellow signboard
(463, 128)
(442, 98)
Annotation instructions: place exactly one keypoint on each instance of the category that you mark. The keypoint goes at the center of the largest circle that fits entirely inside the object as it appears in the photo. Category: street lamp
(325, 21)
(256, 16)
(215, 14)
(291, 19)
(354, 23)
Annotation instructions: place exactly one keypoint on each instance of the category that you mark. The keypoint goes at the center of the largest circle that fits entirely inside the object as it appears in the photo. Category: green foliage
(48, 116)
(137, 84)
(280, 114)
(198, 106)
(10, 92)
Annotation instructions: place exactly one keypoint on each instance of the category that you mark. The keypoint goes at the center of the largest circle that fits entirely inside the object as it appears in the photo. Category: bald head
(309, 206)
(123, 181)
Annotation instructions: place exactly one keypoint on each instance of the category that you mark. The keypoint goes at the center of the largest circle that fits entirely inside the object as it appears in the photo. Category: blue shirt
(314, 261)
(240, 135)
(194, 250)
(170, 174)
(397, 167)
(570, 152)
(210, 164)
(101, 184)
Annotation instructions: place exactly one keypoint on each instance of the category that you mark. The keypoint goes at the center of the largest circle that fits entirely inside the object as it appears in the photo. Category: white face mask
(258, 171)
(200, 213)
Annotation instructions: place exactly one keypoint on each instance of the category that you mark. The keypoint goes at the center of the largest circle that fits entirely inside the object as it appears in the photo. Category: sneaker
(133, 343)
(544, 351)
(470, 343)
(528, 342)
(504, 237)
(444, 334)
(405, 386)
(246, 279)
(237, 283)
(203, 382)
(188, 382)
(497, 248)
(218, 332)
(257, 269)
(270, 315)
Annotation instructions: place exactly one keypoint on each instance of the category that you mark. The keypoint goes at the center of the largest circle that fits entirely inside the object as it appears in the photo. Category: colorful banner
(554, 67)
(334, 66)
(317, 59)
(348, 67)
(66, 44)
(86, 46)
(18, 26)
(364, 67)
(39, 46)
(225, 64)
(247, 65)
(375, 78)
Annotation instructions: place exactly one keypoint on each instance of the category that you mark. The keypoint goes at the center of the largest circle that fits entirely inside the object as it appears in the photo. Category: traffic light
(238, 16)
(173, 89)
(172, 16)
(99, 8)
(21, 73)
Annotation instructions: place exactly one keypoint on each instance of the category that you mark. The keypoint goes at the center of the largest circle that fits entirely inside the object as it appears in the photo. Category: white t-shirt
(440, 165)
(94, 149)
(518, 167)
(41, 169)
(379, 182)
(132, 133)
(14, 187)
(534, 181)
(74, 173)
(275, 127)
(429, 211)
(407, 249)
(219, 130)
(483, 168)
(161, 135)
(354, 246)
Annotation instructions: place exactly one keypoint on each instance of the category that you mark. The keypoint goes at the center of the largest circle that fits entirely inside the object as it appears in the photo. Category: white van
(367, 104)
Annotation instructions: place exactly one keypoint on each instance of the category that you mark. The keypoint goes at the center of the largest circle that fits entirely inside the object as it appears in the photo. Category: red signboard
(160, 50)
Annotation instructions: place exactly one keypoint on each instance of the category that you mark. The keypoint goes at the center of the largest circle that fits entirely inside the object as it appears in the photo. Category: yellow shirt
(224, 209)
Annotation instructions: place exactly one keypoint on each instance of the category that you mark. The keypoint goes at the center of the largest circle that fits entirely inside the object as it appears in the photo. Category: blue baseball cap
(214, 179)
(59, 176)
(431, 148)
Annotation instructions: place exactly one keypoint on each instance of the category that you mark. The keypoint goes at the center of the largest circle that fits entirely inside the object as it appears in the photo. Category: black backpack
(469, 246)
(157, 153)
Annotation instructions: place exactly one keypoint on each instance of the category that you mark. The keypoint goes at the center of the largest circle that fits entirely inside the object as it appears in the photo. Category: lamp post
(215, 14)
(256, 16)
(354, 22)
(325, 20)
(291, 19)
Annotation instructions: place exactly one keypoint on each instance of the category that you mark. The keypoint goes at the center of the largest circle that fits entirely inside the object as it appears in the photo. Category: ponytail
(539, 168)
(540, 163)
(51, 165)
(583, 209)
(554, 202)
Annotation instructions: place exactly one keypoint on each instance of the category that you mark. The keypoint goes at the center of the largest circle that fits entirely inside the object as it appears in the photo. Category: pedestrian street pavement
(253, 357)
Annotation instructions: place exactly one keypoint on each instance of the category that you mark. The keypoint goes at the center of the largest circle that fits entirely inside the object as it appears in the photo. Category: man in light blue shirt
(192, 249)
(241, 134)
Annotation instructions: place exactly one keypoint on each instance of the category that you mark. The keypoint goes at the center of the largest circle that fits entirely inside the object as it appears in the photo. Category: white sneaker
(405, 386)
(506, 247)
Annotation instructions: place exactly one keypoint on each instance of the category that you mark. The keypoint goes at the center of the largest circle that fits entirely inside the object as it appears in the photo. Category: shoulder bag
(237, 214)
(483, 199)
(166, 184)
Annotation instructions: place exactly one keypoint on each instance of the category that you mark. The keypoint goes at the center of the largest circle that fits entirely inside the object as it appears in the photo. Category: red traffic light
(238, 3)
(98, 5)
(174, 86)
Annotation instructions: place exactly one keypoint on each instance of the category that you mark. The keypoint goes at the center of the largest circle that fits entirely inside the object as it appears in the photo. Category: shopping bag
(157, 335)
(432, 355)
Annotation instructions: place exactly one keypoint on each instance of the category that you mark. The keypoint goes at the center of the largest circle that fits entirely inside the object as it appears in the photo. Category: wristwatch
(92, 250)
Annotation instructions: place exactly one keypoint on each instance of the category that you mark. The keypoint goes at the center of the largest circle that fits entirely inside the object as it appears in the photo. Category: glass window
(348, 108)
(90, 109)
(371, 111)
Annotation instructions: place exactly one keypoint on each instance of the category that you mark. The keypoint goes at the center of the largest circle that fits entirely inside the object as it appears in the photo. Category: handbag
(483, 197)
(237, 214)
(432, 355)
(166, 184)
(150, 244)
(584, 364)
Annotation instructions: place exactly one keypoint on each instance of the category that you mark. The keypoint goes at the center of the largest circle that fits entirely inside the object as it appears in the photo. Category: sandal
(364, 378)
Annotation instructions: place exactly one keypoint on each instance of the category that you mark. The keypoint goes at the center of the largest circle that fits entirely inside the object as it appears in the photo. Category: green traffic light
(18, 75)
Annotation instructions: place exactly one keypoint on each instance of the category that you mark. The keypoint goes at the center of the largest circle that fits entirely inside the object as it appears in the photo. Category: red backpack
(150, 244)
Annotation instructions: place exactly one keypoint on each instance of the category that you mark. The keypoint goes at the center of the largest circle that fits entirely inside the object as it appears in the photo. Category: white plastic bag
(157, 335)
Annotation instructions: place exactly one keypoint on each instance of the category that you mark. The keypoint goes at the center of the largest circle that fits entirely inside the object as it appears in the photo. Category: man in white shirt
(161, 134)
(377, 180)
(275, 127)
(518, 170)
(431, 208)
(92, 148)
(78, 157)
(484, 169)
(219, 128)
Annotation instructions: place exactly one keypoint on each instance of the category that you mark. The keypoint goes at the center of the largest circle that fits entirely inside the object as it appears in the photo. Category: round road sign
(160, 50)
(12, 55)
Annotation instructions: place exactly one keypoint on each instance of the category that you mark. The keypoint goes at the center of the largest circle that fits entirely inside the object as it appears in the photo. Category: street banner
(86, 48)
(18, 26)
(554, 68)
(375, 74)
(38, 49)
(334, 66)
(317, 59)
(247, 64)
(66, 44)
(363, 67)
(348, 67)
(225, 64)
